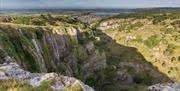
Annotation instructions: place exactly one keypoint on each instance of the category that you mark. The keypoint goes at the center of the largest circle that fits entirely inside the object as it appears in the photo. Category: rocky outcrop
(165, 87)
(66, 50)
(88, 18)
(60, 82)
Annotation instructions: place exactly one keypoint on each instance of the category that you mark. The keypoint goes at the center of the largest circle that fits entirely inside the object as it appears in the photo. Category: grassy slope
(164, 54)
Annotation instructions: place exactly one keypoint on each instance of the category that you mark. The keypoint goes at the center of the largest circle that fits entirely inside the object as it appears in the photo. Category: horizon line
(90, 7)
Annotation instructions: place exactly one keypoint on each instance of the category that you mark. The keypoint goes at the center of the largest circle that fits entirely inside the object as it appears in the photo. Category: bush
(168, 30)
(152, 41)
(22, 20)
(138, 39)
(158, 19)
(177, 38)
(90, 33)
(76, 87)
(176, 24)
(170, 49)
(36, 21)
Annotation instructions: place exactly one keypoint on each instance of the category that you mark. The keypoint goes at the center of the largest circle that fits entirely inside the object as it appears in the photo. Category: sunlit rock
(13, 70)
(165, 87)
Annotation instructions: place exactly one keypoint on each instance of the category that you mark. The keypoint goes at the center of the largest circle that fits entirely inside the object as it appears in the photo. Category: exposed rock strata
(52, 49)
(13, 70)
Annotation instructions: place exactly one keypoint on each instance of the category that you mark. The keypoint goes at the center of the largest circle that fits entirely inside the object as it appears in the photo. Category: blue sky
(88, 3)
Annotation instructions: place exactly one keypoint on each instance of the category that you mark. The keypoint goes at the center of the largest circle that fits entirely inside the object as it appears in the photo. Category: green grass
(16, 85)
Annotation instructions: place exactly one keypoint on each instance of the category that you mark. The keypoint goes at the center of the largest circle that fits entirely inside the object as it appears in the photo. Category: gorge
(116, 53)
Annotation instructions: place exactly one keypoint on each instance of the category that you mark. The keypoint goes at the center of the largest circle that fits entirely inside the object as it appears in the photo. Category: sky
(88, 3)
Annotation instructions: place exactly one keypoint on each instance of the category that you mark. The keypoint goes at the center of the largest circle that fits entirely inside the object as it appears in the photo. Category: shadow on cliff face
(64, 51)
(126, 67)
(76, 55)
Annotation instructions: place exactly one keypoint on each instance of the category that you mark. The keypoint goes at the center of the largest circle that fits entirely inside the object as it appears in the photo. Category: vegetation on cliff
(123, 52)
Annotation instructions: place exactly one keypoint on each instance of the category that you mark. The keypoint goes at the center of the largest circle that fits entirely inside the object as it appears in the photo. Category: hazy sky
(87, 3)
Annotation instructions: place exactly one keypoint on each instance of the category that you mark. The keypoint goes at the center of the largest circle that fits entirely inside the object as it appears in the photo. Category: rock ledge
(165, 87)
(13, 70)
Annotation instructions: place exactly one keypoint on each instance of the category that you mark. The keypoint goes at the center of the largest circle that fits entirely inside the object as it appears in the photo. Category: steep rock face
(12, 70)
(65, 50)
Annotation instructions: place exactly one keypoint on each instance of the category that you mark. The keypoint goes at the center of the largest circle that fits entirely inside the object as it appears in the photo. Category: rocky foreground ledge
(13, 70)
(60, 83)
(174, 86)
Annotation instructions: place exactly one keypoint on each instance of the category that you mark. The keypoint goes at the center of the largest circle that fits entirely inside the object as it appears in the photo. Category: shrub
(152, 41)
(173, 59)
(90, 33)
(76, 87)
(36, 21)
(138, 39)
(158, 19)
(48, 18)
(177, 38)
(176, 24)
(22, 20)
(170, 49)
(6, 19)
(168, 30)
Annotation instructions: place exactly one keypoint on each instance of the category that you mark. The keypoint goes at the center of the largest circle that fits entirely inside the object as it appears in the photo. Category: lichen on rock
(173, 86)
(59, 82)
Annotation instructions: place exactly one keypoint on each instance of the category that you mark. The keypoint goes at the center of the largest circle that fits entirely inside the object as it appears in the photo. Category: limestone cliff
(120, 53)
(66, 50)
